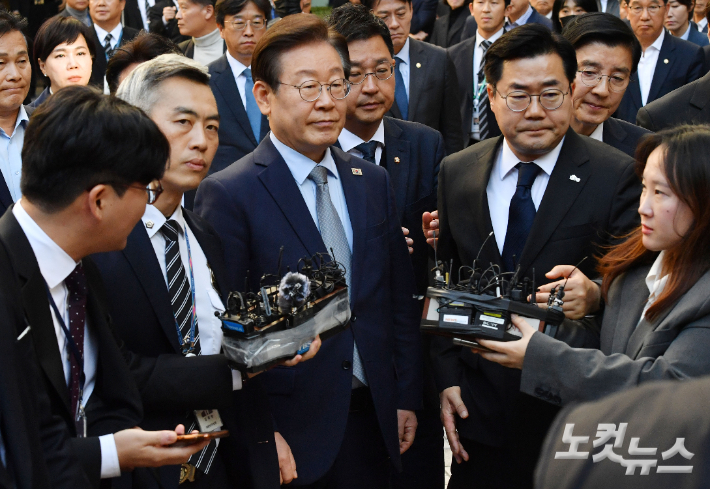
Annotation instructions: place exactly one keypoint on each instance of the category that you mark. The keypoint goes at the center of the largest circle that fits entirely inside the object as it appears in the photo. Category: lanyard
(477, 92)
(189, 347)
(80, 415)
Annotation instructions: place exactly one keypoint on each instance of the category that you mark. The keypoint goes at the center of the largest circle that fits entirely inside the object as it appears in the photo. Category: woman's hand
(510, 354)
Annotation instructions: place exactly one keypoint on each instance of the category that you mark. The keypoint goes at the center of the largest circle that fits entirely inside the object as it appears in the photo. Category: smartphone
(192, 438)
(474, 345)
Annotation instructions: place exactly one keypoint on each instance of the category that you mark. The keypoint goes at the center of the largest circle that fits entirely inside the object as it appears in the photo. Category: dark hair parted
(142, 48)
(233, 7)
(605, 29)
(58, 30)
(10, 22)
(529, 41)
(687, 170)
(356, 23)
(290, 33)
(80, 138)
(587, 5)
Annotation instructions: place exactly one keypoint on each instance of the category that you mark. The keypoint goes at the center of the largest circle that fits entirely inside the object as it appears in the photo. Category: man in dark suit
(425, 77)
(109, 35)
(687, 105)
(161, 19)
(667, 62)
(411, 153)
(576, 193)
(242, 126)
(479, 122)
(519, 13)
(449, 27)
(607, 56)
(658, 415)
(349, 413)
(135, 15)
(89, 379)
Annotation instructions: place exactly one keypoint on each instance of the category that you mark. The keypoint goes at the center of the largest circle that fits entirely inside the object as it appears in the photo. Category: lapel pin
(574, 178)
(396, 159)
(357, 171)
(665, 61)
(419, 65)
(149, 224)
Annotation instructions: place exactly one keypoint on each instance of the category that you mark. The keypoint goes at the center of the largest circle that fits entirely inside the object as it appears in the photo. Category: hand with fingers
(430, 227)
(138, 448)
(410, 241)
(510, 354)
(582, 296)
(287, 464)
(406, 429)
(451, 406)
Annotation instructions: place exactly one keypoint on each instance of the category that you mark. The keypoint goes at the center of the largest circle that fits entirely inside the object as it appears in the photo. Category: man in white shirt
(110, 34)
(197, 19)
(699, 16)
(479, 122)
(521, 12)
(68, 211)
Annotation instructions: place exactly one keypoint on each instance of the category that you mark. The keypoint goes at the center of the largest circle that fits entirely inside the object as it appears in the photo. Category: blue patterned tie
(520, 215)
(368, 150)
(333, 234)
(400, 94)
(253, 112)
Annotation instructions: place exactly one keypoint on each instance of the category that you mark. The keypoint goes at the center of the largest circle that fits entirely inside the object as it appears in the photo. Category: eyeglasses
(381, 73)
(617, 82)
(518, 101)
(637, 9)
(256, 24)
(310, 90)
(153, 192)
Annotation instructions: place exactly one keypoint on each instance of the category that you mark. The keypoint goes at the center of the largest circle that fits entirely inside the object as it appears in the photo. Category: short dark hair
(529, 41)
(59, 29)
(586, 5)
(289, 33)
(356, 23)
(233, 7)
(605, 29)
(142, 48)
(689, 4)
(372, 4)
(80, 138)
(10, 23)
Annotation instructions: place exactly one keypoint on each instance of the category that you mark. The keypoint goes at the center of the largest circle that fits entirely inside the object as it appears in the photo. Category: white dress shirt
(477, 58)
(603, 4)
(208, 47)
(11, 154)
(655, 282)
(348, 141)
(549, 15)
(598, 133)
(404, 67)
(685, 35)
(239, 76)
(144, 13)
(116, 34)
(647, 66)
(504, 180)
(206, 297)
(523, 18)
(301, 166)
(702, 24)
(56, 265)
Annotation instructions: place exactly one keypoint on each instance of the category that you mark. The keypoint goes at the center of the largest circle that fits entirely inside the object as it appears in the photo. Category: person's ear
(97, 199)
(209, 12)
(263, 94)
(221, 31)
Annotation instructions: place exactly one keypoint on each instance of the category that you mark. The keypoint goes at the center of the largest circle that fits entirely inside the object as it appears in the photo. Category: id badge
(209, 420)
(80, 422)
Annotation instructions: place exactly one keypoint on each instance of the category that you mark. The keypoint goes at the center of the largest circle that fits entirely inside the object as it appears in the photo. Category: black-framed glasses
(591, 78)
(153, 192)
(240, 24)
(310, 90)
(382, 73)
(518, 101)
(636, 9)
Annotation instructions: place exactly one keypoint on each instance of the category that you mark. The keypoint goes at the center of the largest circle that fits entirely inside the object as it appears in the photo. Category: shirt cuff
(236, 380)
(109, 457)
(165, 22)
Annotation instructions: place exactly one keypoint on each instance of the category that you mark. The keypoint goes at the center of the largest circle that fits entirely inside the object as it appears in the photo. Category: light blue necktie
(333, 234)
(253, 112)
(400, 93)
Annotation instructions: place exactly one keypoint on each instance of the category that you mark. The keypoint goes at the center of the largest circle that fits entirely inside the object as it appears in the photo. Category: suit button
(346, 365)
(353, 319)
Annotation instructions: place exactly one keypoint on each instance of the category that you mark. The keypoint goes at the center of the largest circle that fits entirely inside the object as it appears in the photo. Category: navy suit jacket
(687, 105)
(697, 37)
(236, 139)
(679, 63)
(622, 135)
(256, 207)
(470, 27)
(143, 317)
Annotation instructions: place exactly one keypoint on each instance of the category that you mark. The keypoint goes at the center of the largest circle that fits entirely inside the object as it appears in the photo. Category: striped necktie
(483, 102)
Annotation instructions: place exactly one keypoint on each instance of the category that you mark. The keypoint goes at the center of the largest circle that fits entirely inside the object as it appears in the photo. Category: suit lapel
(212, 248)
(612, 130)
(662, 68)
(227, 86)
(559, 197)
(478, 179)
(398, 158)
(634, 90)
(629, 303)
(5, 197)
(416, 81)
(701, 94)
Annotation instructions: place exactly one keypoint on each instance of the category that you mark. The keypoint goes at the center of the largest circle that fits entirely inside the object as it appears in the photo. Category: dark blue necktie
(253, 112)
(368, 151)
(400, 93)
(520, 215)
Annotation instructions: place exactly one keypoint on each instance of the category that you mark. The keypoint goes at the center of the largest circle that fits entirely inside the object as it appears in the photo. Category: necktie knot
(108, 38)
(319, 175)
(247, 74)
(485, 44)
(397, 61)
(527, 172)
(368, 150)
(76, 284)
(170, 230)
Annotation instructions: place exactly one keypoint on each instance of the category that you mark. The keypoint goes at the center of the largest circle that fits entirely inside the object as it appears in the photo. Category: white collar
(654, 281)
(702, 24)
(523, 18)
(115, 33)
(546, 162)
(54, 263)
(349, 140)
(237, 67)
(598, 133)
(492, 39)
(657, 43)
(301, 165)
(21, 117)
(153, 219)
(685, 35)
(208, 39)
(404, 53)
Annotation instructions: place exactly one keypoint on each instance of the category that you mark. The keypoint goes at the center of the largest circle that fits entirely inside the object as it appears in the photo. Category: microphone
(481, 249)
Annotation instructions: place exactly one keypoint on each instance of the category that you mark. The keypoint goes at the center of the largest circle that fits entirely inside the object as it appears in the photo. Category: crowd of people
(158, 155)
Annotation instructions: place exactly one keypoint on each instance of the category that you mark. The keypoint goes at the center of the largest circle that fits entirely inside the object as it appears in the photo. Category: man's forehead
(12, 42)
(390, 5)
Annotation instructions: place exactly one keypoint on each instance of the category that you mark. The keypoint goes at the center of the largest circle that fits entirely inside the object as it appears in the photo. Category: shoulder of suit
(473, 154)
(462, 47)
(218, 65)
(428, 48)
(412, 127)
(368, 169)
(633, 129)
(185, 45)
(678, 97)
(685, 47)
(603, 156)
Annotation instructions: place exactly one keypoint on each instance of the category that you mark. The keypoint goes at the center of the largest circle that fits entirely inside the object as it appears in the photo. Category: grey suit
(674, 346)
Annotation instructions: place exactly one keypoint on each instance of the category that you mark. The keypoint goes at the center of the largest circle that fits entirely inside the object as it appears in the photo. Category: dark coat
(622, 135)
(689, 104)
(98, 71)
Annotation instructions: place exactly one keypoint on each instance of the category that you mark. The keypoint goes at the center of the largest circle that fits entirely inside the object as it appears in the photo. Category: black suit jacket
(679, 63)
(236, 139)
(447, 34)
(462, 56)
(115, 402)
(5, 196)
(143, 318)
(706, 53)
(622, 135)
(155, 22)
(687, 105)
(469, 28)
(132, 15)
(433, 93)
(98, 71)
(188, 48)
(574, 218)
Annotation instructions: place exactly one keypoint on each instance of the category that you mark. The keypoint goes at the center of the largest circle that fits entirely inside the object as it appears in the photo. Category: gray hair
(140, 88)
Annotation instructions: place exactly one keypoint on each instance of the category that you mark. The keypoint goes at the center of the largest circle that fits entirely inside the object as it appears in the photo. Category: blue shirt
(11, 154)
(301, 166)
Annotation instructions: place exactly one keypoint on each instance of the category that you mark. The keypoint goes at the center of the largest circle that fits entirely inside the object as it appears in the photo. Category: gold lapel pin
(396, 159)
(149, 224)
(419, 65)
(665, 61)
(357, 171)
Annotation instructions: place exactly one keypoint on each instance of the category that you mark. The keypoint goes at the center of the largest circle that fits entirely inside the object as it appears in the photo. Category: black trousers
(489, 468)
(423, 463)
(363, 461)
